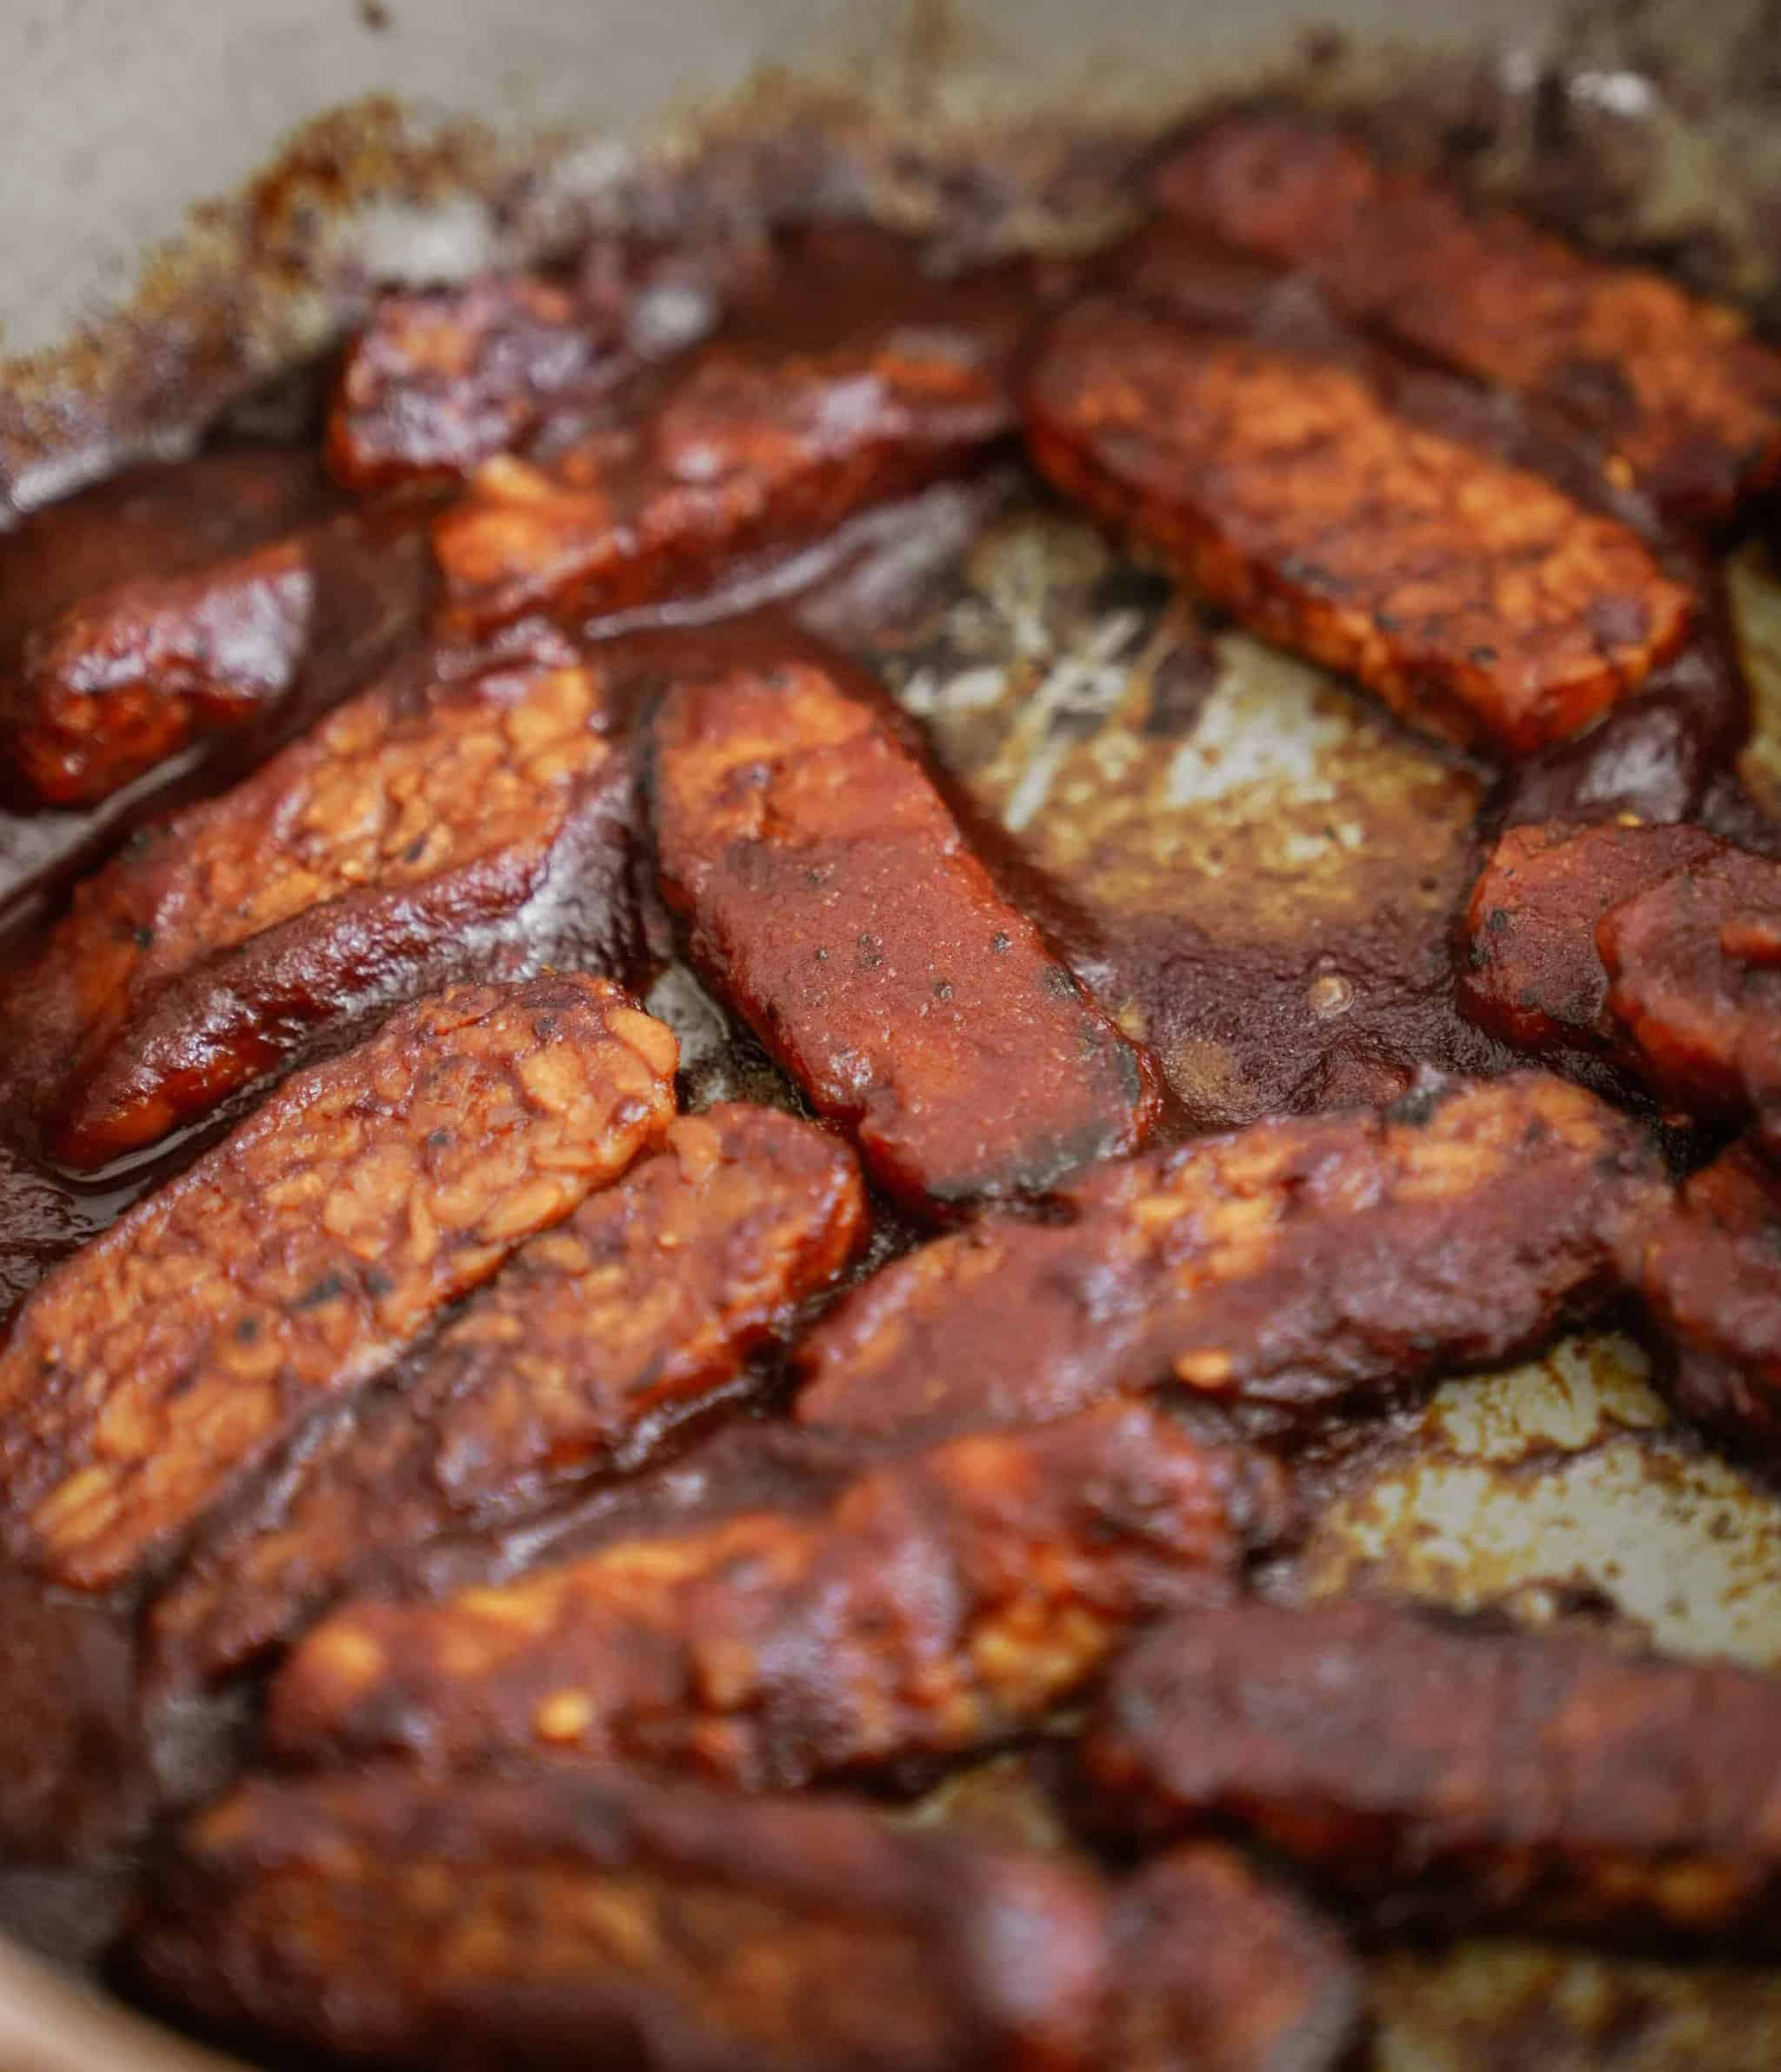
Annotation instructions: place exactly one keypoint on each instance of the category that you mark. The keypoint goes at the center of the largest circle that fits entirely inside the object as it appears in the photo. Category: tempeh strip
(177, 602)
(829, 896)
(573, 1920)
(1710, 1276)
(749, 452)
(640, 1306)
(302, 1254)
(401, 844)
(1694, 971)
(1280, 1269)
(1452, 1775)
(943, 1601)
(1477, 600)
(1689, 406)
(1219, 1969)
(440, 380)
(1532, 973)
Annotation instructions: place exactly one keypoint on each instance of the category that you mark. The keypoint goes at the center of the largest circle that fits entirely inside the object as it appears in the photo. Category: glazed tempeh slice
(831, 898)
(175, 601)
(1694, 970)
(943, 1600)
(439, 381)
(305, 1252)
(740, 1463)
(597, 1335)
(401, 844)
(1689, 407)
(1710, 1274)
(1453, 1774)
(1532, 973)
(607, 1919)
(1221, 1968)
(747, 452)
(1279, 1270)
(1479, 601)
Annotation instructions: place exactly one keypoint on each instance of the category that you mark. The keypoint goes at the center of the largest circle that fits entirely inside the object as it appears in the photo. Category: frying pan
(197, 196)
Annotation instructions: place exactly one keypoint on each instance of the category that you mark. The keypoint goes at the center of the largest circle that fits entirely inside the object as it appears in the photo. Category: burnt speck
(1324, 49)
(943, 989)
(1125, 587)
(1552, 123)
(871, 952)
(1597, 388)
(330, 1287)
(1702, 257)
(1000, 944)
(1310, 574)
(247, 1330)
(143, 938)
(1180, 684)
(1415, 1108)
(1075, 722)
(376, 17)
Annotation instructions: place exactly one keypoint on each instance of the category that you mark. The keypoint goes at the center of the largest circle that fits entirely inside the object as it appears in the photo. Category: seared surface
(1710, 1273)
(169, 603)
(1685, 403)
(1280, 1269)
(941, 1603)
(748, 451)
(1221, 1968)
(1530, 971)
(564, 1920)
(1479, 601)
(1695, 969)
(439, 381)
(648, 1299)
(829, 894)
(395, 847)
(304, 1253)
(1453, 1775)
